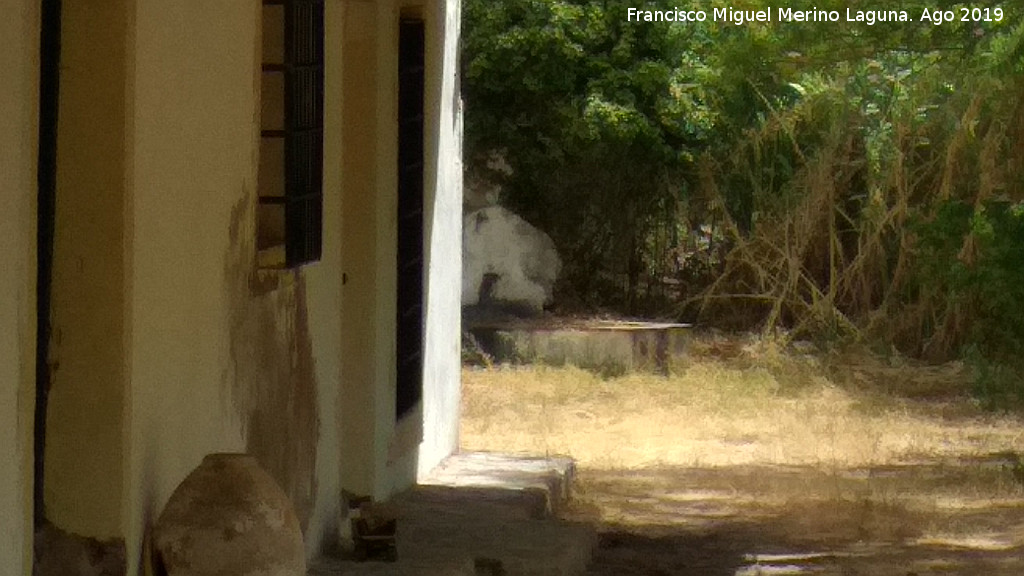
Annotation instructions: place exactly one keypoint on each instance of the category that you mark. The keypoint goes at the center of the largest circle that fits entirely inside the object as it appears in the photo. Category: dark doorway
(46, 180)
(409, 352)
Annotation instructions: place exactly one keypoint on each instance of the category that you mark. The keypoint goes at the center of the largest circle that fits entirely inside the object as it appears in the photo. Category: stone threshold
(483, 514)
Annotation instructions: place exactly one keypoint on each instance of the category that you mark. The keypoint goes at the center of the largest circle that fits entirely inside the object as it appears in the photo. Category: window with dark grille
(290, 212)
(409, 343)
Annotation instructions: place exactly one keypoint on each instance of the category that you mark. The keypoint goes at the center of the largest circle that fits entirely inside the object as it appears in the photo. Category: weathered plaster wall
(85, 417)
(18, 136)
(222, 357)
(441, 364)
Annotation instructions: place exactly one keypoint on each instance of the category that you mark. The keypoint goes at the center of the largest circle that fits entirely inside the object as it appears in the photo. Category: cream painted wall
(217, 347)
(18, 147)
(363, 303)
(208, 342)
(375, 461)
(192, 161)
(85, 419)
(392, 473)
(389, 458)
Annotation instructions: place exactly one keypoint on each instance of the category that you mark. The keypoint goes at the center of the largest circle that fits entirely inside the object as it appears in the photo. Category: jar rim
(229, 455)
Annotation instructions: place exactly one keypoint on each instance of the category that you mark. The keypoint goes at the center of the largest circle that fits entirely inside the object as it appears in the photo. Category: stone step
(551, 477)
(483, 514)
(404, 567)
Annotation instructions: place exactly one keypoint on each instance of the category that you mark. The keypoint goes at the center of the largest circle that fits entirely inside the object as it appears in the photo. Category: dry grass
(848, 464)
(759, 407)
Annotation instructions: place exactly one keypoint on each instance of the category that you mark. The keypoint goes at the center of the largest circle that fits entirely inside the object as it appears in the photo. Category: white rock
(523, 258)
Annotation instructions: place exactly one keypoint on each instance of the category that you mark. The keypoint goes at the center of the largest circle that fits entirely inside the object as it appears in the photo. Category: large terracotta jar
(228, 517)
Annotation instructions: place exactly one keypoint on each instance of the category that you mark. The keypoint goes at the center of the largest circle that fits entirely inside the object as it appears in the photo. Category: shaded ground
(965, 518)
(757, 461)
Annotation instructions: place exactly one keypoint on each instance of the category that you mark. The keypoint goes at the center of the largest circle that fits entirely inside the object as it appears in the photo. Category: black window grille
(292, 129)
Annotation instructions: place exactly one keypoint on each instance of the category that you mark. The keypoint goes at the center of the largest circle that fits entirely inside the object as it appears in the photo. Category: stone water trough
(610, 347)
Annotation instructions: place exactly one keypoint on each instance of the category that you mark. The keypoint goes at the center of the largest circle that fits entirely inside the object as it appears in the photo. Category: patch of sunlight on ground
(709, 415)
(771, 569)
(974, 541)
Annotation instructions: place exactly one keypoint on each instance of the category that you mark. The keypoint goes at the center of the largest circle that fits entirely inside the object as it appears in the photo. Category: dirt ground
(771, 520)
(750, 460)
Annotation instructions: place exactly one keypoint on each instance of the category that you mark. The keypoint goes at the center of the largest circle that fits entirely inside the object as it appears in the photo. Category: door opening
(46, 181)
(409, 350)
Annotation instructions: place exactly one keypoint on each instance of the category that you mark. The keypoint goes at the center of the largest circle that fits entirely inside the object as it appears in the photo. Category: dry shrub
(834, 250)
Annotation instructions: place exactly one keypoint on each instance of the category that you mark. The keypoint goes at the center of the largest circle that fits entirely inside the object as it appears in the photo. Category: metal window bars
(302, 133)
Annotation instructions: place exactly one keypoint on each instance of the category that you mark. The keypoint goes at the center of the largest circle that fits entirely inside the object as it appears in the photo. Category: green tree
(826, 148)
(600, 119)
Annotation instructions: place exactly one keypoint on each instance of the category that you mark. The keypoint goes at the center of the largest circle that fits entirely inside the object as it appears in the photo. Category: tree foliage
(597, 117)
(860, 179)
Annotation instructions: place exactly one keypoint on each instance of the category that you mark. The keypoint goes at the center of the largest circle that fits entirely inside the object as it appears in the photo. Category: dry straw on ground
(761, 406)
(751, 459)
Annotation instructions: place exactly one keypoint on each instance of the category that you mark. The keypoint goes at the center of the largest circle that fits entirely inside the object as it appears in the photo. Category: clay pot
(228, 517)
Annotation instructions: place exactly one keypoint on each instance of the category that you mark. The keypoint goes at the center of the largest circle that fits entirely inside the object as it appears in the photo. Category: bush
(859, 182)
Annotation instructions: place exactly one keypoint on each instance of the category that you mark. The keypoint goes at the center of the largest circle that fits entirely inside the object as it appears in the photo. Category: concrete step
(404, 567)
(548, 477)
(484, 514)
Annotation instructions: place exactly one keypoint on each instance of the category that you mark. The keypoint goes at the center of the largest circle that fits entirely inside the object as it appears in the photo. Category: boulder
(506, 263)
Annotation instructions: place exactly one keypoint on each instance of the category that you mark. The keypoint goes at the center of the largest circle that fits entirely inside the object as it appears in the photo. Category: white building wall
(442, 357)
